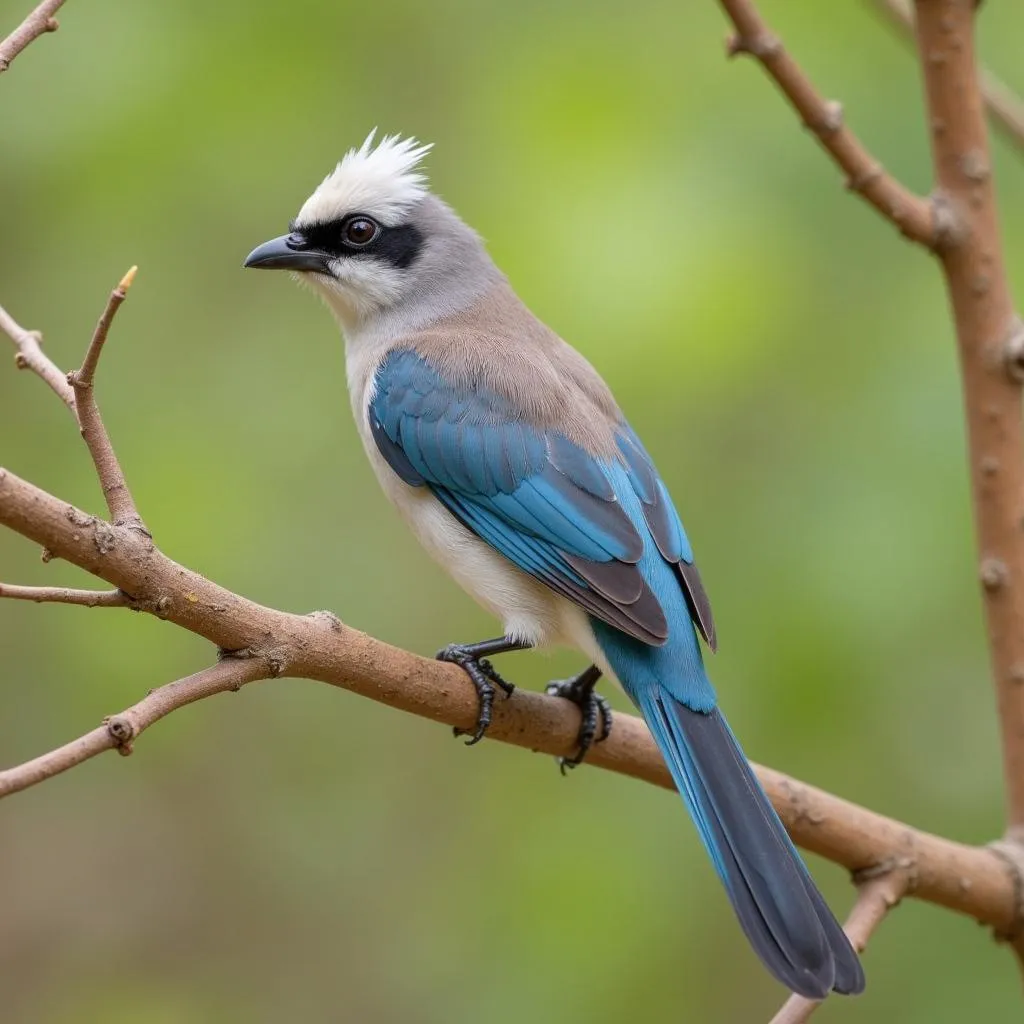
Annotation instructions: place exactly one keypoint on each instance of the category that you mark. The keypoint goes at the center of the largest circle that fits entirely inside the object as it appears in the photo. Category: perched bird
(508, 457)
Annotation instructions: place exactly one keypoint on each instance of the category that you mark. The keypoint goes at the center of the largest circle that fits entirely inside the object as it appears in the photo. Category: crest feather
(384, 181)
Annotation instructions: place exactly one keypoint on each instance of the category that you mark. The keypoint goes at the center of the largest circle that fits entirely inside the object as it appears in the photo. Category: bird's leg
(471, 658)
(580, 690)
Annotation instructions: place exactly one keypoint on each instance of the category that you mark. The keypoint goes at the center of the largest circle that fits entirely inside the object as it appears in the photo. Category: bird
(506, 454)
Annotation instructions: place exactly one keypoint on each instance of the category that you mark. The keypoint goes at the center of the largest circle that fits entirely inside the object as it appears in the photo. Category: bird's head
(372, 239)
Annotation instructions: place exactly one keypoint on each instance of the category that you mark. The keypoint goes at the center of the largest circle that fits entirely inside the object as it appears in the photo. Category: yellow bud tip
(126, 281)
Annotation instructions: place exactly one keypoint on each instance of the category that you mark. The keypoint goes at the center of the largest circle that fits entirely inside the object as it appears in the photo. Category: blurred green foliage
(298, 853)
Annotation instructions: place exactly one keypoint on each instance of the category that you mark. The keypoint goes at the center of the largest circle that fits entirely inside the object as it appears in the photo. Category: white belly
(528, 610)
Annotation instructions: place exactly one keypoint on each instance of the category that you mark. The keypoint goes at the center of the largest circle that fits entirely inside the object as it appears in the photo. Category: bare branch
(119, 731)
(39, 22)
(875, 898)
(890, 859)
(973, 881)
(66, 595)
(1003, 104)
(115, 488)
(987, 332)
(30, 356)
(910, 213)
(84, 376)
(963, 231)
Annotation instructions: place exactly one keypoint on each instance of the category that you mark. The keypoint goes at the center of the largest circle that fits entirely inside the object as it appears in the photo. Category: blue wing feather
(667, 529)
(546, 504)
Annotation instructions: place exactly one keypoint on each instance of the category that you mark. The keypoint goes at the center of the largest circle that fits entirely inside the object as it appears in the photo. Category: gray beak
(287, 253)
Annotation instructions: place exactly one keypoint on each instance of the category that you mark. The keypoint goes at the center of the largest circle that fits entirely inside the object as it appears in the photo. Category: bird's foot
(580, 690)
(484, 676)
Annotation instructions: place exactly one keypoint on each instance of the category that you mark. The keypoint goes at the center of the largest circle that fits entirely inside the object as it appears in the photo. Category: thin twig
(1003, 104)
(964, 878)
(30, 356)
(123, 511)
(875, 898)
(119, 731)
(910, 213)
(38, 23)
(66, 595)
(84, 376)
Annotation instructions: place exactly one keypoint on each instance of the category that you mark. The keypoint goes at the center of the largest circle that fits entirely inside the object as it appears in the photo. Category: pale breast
(527, 609)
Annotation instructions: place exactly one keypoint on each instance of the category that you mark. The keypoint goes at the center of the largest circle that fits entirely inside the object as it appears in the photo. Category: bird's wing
(667, 529)
(536, 497)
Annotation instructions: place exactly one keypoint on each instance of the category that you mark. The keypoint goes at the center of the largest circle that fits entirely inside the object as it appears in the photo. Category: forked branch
(988, 337)
(865, 176)
(962, 229)
(973, 881)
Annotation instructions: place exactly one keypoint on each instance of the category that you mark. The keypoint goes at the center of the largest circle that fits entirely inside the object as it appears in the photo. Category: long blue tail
(779, 907)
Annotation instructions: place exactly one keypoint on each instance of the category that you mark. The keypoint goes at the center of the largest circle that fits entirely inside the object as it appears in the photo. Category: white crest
(381, 180)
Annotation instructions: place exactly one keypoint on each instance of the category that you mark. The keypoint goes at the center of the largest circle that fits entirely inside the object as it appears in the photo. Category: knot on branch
(274, 655)
(801, 809)
(78, 380)
(830, 121)
(1010, 850)
(949, 229)
(905, 865)
(236, 653)
(122, 730)
(21, 360)
(327, 619)
(1013, 351)
(975, 166)
(860, 182)
(763, 46)
(994, 574)
(103, 534)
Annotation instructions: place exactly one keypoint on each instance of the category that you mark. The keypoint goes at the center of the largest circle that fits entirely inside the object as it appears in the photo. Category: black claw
(580, 690)
(483, 675)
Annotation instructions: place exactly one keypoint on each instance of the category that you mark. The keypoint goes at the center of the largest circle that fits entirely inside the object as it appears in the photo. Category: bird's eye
(360, 231)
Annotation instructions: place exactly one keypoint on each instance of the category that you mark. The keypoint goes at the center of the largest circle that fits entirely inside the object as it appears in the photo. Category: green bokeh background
(298, 853)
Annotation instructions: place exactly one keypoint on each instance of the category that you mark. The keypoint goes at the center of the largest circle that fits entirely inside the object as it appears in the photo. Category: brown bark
(987, 332)
(973, 881)
(40, 21)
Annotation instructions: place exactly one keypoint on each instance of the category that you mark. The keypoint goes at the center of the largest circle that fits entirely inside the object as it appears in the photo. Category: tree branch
(910, 213)
(39, 22)
(876, 896)
(115, 488)
(1003, 104)
(964, 234)
(30, 356)
(66, 595)
(971, 880)
(989, 337)
(118, 732)
(889, 858)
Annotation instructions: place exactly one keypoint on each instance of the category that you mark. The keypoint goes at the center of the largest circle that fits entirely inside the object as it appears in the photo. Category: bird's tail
(779, 907)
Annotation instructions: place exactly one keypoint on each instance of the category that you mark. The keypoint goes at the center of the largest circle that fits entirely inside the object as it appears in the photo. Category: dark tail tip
(778, 905)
